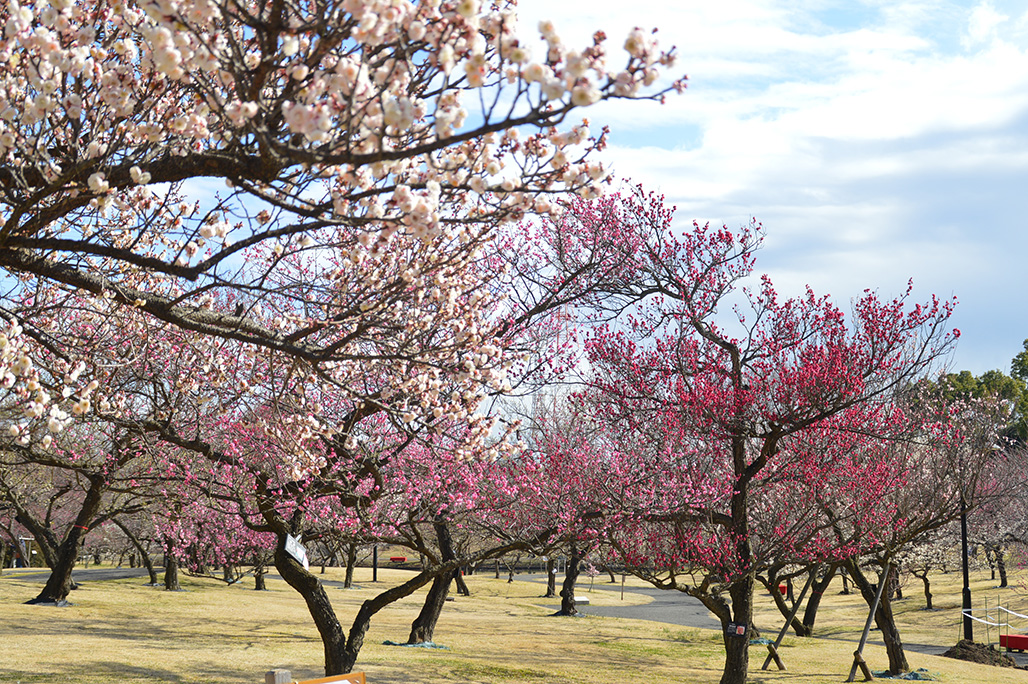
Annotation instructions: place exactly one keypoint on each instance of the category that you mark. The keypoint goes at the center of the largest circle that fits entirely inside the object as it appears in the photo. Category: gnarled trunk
(884, 618)
(62, 558)
(927, 588)
(567, 590)
(423, 627)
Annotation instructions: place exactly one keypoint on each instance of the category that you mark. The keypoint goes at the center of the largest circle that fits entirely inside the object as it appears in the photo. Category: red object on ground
(783, 589)
(398, 559)
(1014, 642)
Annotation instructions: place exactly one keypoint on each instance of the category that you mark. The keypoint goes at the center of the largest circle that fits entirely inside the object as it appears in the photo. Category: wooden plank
(351, 678)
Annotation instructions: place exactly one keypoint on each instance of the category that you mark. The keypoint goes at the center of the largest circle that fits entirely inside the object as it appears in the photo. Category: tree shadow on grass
(207, 671)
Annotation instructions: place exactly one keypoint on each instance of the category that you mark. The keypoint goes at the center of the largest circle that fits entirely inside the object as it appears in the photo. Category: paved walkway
(676, 608)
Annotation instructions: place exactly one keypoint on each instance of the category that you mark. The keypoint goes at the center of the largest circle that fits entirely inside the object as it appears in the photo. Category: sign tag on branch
(295, 549)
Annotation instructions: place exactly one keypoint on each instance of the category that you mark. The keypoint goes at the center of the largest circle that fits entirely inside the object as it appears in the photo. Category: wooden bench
(285, 677)
(1014, 642)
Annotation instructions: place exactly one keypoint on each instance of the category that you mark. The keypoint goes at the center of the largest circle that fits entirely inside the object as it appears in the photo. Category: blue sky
(876, 142)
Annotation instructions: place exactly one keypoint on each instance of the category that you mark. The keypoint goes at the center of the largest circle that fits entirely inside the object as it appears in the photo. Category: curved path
(676, 608)
(671, 607)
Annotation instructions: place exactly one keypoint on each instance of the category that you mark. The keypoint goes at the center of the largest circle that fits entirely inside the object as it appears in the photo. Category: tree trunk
(144, 556)
(551, 578)
(771, 584)
(60, 584)
(423, 627)
(894, 589)
(259, 583)
(737, 654)
(341, 654)
(63, 558)
(338, 658)
(567, 591)
(462, 586)
(884, 618)
(817, 591)
(351, 563)
(1001, 564)
(171, 569)
(927, 589)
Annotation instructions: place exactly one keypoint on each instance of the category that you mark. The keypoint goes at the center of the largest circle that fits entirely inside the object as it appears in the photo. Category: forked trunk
(60, 584)
(62, 558)
(338, 658)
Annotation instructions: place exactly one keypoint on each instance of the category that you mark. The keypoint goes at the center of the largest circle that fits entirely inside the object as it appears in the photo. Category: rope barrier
(993, 624)
(1005, 610)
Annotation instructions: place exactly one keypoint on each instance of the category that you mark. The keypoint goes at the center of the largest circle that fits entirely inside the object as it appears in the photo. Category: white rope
(967, 613)
(1005, 610)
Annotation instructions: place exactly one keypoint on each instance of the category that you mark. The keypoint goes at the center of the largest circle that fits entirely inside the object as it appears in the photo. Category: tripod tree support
(858, 659)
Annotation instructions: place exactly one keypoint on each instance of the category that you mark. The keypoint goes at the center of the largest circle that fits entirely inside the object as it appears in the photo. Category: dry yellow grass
(121, 631)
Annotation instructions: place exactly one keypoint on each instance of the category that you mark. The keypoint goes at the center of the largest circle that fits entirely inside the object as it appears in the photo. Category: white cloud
(983, 25)
(876, 141)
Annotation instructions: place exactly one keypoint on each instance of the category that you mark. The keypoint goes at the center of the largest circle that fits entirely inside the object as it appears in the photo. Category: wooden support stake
(858, 659)
(773, 655)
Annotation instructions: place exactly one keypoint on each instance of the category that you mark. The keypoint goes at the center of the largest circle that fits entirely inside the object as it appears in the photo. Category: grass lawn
(122, 631)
